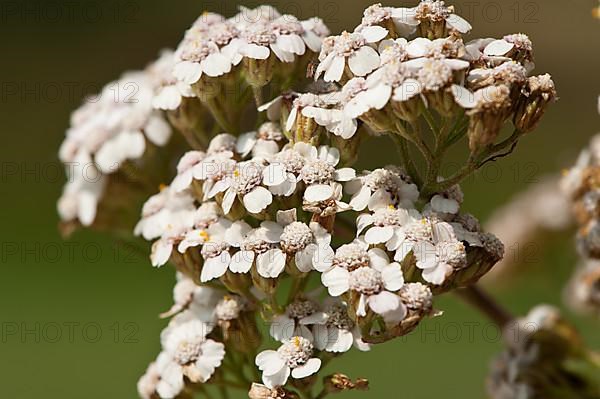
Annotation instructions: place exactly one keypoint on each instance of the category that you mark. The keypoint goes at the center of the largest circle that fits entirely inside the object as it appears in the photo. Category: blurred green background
(79, 318)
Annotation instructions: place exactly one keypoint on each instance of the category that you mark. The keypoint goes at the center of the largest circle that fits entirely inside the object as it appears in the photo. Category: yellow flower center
(204, 235)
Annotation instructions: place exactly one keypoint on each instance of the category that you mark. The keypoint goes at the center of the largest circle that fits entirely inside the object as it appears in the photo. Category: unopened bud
(538, 93)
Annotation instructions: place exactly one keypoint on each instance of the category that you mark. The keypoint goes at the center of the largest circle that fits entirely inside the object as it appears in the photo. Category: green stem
(407, 163)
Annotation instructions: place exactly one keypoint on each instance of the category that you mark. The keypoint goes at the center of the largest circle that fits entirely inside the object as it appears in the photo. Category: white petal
(88, 204)
(215, 267)
(168, 98)
(255, 51)
(282, 55)
(437, 275)
(340, 341)
(245, 143)
(418, 47)
(323, 258)
(392, 277)
(216, 64)
(311, 367)
(360, 200)
(274, 174)
(321, 334)
(282, 328)
(258, 199)
(444, 205)
(318, 192)
(378, 258)
(292, 44)
(363, 61)
(241, 262)
(271, 263)
(235, 234)
(425, 253)
(384, 302)
(336, 281)
(378, 235)
(463, 97)
(459, 23)
(278, 379)
(362, 222)
(269, 362)
(228, 200)
(304, 258)
(161, 252)
(498, 47)
(158, 130)
(374, 33)
(344, 174)
(407, 90)
(335, 70)
(188, 72)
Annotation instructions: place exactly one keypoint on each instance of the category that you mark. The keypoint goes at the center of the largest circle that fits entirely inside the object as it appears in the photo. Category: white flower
(315, 31)
(207, 49)
(282, 36)
(170, 93)
(432, 11)
(308, 245)
(298, 316)
(319, 172)
(263, 143)
(339, 332)
(326, 110)
(436, 248)
(229, 308)
(83, 191)
(215, 171)
(192, 355)
(386, 225)
(348, 48)
(204, 232)
(375, 284)
(185, 169)
(215, 251)
(148, 383)
(375, 17)
(187, 294)
(246, 183)
(283, 172)
(255, 245)
(122, 147)
(382, 187)
(293, 357)
(167, 208)
(323, 205)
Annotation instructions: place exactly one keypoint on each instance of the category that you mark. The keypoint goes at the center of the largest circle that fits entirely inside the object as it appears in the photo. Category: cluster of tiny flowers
(581, 185)
(543, 340)
(109, 131)
(386, 76)
(256, 38)
(262, 205)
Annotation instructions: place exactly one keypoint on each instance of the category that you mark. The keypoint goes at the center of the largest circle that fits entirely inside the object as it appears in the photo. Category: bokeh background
(79, 318)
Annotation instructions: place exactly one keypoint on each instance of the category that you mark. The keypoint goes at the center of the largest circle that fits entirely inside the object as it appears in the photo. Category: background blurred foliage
(55, 52)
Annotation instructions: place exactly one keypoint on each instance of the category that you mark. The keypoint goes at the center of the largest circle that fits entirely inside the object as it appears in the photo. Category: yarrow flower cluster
(581, 186)
(260, 207)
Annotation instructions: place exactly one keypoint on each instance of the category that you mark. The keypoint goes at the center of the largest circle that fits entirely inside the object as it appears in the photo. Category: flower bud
(259, 391)
(339, 383)
(488, 116)
(538, 93)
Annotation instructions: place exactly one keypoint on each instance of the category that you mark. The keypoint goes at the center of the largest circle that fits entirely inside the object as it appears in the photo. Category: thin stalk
(483, 302)
(407, 163)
